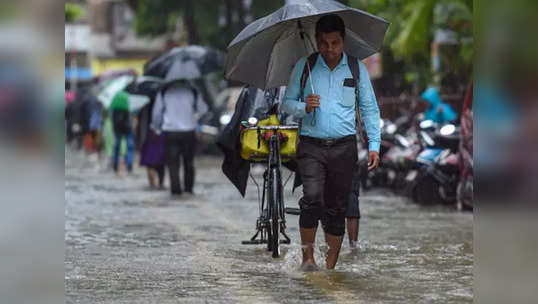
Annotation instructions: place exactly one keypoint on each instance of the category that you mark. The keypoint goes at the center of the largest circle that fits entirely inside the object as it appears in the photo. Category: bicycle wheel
(269, 236)
(267, 211)
(273, 204)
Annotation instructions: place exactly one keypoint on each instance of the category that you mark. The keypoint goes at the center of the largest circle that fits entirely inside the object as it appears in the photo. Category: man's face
(330, 45)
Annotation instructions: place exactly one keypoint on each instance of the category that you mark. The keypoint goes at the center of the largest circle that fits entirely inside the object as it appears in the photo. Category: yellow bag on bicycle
(255, 148)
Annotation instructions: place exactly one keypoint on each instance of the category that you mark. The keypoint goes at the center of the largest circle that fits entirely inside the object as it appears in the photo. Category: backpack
(354, 68)
(121, 121)
(191, 86)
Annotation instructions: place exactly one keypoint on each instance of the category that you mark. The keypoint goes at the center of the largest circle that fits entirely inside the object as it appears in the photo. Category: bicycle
(272, 221)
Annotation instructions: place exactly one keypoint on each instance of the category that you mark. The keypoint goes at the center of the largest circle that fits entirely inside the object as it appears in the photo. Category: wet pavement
(128, 244)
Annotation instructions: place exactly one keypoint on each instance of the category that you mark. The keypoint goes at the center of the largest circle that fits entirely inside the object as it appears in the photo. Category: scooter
(377, 178)
(436, 175)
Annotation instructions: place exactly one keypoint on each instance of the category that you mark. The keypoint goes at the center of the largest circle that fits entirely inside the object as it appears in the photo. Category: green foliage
(261, 8)
(415, 36)
(411, 32)
(153, 17)
(406, 52)
(157, 17)
(73, 12)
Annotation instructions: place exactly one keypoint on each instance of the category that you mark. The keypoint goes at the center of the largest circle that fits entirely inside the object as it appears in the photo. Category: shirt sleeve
(369, 109)
(291, 104)
(157, 113)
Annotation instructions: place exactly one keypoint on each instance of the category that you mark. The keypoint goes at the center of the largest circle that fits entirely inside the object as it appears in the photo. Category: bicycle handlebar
(273, 128)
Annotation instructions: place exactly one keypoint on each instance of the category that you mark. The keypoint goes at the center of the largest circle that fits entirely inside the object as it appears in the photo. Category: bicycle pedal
(284, 241)
(293, 211)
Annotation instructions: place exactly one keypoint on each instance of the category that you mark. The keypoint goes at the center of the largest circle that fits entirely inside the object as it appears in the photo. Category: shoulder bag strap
(355, 72)
(311, 60)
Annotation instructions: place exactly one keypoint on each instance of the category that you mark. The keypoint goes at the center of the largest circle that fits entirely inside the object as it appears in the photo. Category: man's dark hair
(331, 23)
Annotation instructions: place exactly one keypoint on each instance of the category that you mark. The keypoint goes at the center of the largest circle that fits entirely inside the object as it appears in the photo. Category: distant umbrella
(109, 91)
(187, 62)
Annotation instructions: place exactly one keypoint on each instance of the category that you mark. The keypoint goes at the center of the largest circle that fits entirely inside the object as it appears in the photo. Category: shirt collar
(343, 61)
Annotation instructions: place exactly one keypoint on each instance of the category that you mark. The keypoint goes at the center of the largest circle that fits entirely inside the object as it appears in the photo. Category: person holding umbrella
(327, 150)
(277, 50)
(179, 104)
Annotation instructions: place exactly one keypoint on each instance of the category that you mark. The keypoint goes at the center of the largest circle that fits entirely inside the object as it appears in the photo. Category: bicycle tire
(269, 237)
(275, 213)
(267, 218)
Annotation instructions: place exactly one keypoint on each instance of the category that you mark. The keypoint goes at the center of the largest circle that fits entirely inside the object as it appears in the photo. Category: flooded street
(127, 244)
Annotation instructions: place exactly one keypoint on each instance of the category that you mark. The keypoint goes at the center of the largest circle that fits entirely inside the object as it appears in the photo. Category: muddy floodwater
(127, 244)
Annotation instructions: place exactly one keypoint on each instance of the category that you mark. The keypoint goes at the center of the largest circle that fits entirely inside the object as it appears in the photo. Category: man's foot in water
(309, 266)
(354, 246)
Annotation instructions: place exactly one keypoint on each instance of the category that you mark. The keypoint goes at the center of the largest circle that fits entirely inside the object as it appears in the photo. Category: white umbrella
(136, 102)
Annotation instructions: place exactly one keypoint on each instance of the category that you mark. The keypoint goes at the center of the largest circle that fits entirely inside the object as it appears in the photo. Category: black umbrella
(188, 62)
(146, 85)
(264, 53)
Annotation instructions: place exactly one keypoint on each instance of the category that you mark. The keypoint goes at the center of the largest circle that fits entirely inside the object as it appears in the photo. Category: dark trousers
(180, 144)
(353, 206)
(160, 172)
(327, 172)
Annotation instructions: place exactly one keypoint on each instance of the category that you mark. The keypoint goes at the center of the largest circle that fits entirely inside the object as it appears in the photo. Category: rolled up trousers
(327, 173)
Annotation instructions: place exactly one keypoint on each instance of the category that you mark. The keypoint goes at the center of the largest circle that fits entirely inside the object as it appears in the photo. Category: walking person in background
(95, 125)
(327, 150)
(353, 213)
(175, 113)
(152, 151)
(122, 124)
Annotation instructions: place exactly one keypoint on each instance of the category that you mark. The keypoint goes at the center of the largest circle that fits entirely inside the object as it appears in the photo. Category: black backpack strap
(355, 73)
(311, 60)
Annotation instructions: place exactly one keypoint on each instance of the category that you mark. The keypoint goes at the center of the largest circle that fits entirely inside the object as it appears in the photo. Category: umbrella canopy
(264, 53)
(188, 62)
(116, 85)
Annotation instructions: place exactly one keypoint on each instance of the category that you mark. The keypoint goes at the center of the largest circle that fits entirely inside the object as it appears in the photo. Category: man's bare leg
(335, 243)
(308, 237)
(353, 231)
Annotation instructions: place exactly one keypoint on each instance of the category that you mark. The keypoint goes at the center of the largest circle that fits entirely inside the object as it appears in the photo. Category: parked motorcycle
(436, 175)
(379, 177)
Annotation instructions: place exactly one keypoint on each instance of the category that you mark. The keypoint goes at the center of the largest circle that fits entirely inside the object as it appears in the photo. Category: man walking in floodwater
(327, 149)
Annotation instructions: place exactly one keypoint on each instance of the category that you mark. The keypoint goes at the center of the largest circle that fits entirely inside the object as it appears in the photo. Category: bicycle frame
(272, 202)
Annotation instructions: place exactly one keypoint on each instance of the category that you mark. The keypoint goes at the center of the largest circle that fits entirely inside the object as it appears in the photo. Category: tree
(411, 32)
(202, 19)
(72, 12)
(425, 17)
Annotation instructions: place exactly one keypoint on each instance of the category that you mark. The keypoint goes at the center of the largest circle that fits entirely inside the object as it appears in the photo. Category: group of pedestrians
(84, 120)
(169, 135)
(165, 129)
